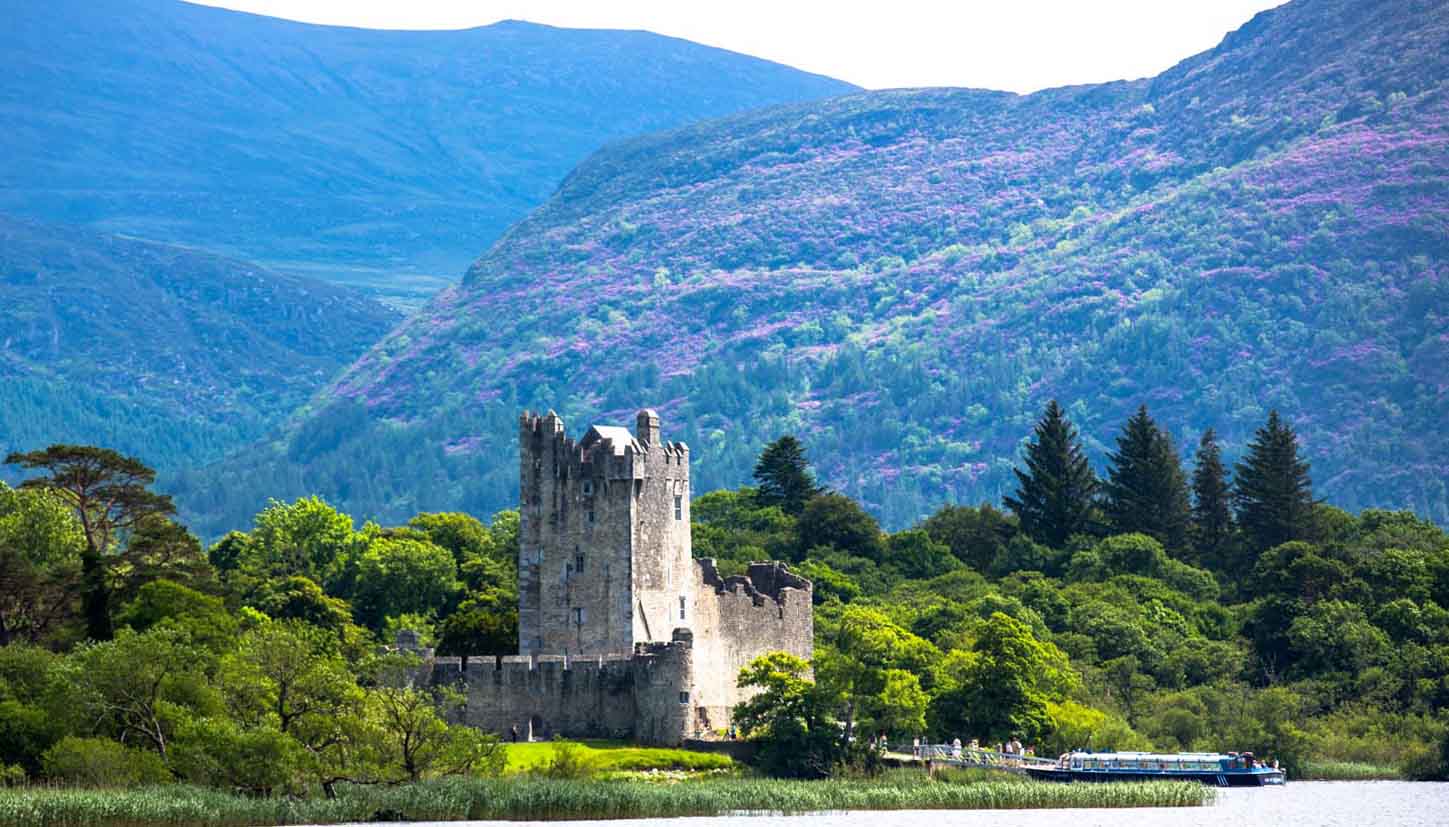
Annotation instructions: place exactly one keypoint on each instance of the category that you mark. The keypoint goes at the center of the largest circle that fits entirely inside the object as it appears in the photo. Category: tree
(396, 576)
(916, 555)
(784, 476)
(1272, 490)
(789, 717)
(862, 663)
(110, 495)
(288, 677)
(1003, 684)
(1054, 495)
(307, 537)
(161, 548)
(837, 521)
(486, 623)
(137, 686)
(40, 552)
(414, 738)
(204, 618)
(1146, 491)
(462, 534)
(1212, 516)
(976, 535)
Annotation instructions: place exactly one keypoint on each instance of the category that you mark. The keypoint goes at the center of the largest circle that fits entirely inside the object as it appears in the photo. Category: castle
(621, 633)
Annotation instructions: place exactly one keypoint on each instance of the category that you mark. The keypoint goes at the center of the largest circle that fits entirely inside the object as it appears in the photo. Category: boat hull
(1240, 778)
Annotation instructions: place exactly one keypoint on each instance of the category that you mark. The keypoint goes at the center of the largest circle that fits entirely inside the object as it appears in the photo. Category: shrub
(569, 761)
(101, 762)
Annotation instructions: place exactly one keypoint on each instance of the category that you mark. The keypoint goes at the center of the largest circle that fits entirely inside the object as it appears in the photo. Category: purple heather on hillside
(904, 278)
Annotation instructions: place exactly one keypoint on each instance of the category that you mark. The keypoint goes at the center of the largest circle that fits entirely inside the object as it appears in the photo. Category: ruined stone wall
(544, 696)
(644, 696)
(738, 619)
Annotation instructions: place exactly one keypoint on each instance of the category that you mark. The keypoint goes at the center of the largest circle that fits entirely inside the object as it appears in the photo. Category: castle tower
(604, 554)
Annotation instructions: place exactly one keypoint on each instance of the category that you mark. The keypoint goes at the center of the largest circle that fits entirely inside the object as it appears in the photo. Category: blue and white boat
(1232, 769)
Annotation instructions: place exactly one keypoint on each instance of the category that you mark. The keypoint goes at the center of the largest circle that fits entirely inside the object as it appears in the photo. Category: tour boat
(1233, 769)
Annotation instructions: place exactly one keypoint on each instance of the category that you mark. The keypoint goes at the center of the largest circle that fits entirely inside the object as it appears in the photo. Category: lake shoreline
(532, 799)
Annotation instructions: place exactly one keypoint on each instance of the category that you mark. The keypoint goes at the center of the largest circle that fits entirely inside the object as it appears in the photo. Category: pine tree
(1054, 497)
(1212, 516)
(111, 496)
(1272, 492)
(1146, 490)
(784, 476)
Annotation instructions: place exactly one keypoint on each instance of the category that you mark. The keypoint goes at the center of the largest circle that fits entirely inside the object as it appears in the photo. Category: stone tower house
(621, 632)
(604, 560)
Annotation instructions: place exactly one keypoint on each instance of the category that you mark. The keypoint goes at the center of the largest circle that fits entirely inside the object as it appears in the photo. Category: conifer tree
(1272, 491)
(1212, 516)
(110, 495)
(1054, 497)
(784, 476)
(1146, 489)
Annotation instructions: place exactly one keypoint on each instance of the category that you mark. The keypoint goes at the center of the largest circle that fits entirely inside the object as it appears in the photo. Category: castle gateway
(621, 632)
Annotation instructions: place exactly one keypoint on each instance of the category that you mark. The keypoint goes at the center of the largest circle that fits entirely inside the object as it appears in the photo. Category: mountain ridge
(903, 278)
(380, 157)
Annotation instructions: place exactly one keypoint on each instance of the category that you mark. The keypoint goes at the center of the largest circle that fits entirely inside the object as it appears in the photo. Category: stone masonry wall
(737, 620)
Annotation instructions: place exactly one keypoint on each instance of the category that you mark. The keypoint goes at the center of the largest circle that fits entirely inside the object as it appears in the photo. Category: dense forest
(1159, 604)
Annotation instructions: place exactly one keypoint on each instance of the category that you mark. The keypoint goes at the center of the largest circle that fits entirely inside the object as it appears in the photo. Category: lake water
(1299, 804)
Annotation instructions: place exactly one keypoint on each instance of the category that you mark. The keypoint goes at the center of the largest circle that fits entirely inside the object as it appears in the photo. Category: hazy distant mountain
(385, 158)
(171, 354)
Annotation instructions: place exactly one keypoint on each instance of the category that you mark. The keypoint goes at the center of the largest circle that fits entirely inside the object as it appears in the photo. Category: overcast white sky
(1016, 45)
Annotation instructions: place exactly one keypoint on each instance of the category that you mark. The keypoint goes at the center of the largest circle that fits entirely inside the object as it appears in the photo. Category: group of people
(1009, 751)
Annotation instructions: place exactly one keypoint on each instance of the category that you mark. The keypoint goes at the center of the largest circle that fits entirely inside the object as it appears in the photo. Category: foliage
(789, 717)
(784, 476)
(101, 762)
(1273, 494)
(1055, 495)
(1146, 491)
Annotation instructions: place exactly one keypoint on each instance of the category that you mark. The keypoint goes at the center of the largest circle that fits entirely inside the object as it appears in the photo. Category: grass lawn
(613, 756)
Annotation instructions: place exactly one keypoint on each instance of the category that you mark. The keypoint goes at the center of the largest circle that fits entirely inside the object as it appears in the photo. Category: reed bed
(537, 799)
(1348, 771)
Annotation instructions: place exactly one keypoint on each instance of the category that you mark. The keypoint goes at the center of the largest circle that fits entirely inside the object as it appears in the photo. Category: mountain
(170, 354)
(904, 278)
(383, 158)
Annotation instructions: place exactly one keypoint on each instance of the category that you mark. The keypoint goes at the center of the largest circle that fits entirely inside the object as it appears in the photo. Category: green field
(613, 756)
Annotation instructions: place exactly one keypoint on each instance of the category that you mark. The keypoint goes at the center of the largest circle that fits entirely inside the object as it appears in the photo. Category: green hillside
(903, 278)
(160, 351)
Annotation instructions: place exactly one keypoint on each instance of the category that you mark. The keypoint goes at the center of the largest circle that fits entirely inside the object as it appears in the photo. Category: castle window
(588, 488)
(591, 516)
(681, 607)
(578, 564)
(684, 697)
(578, 615)
(678, 506)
